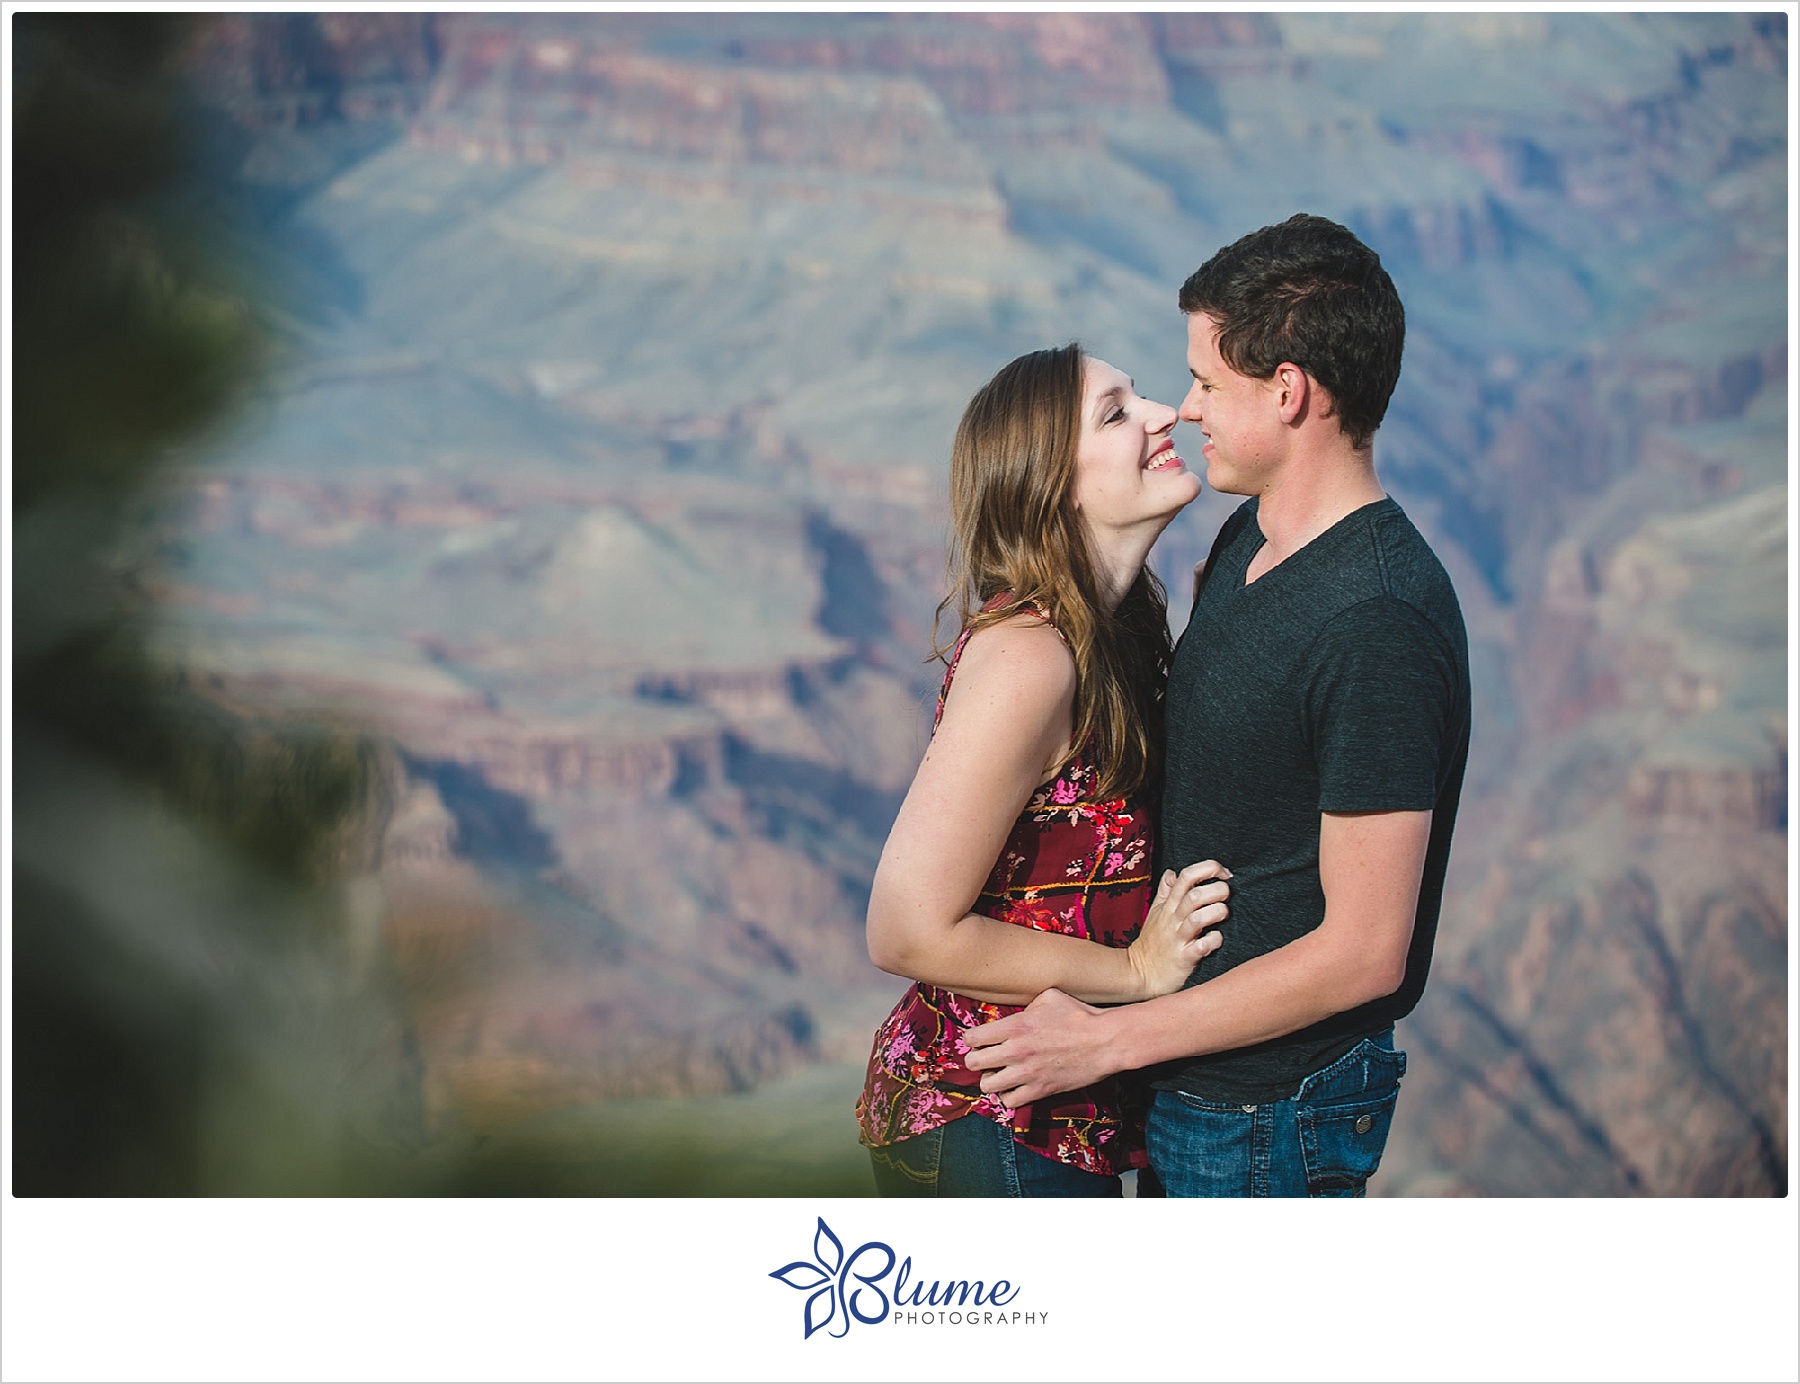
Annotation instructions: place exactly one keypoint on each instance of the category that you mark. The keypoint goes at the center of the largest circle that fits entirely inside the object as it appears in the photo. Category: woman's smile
(1164, 458)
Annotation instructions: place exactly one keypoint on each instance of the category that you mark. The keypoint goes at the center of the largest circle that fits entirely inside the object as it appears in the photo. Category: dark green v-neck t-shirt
(1338, 681)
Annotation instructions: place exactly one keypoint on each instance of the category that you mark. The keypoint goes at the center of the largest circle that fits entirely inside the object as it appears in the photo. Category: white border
(548, 1290)
(668, 1290)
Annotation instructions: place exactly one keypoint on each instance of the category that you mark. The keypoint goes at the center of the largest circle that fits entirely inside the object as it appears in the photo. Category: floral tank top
(1071, 865)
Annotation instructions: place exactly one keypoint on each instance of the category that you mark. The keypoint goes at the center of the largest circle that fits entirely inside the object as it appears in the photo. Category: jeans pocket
(977, 1158)
(1341, 1143)
(909, 1168)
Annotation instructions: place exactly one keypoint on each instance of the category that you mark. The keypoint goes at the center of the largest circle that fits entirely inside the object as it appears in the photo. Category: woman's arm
(1006, 721)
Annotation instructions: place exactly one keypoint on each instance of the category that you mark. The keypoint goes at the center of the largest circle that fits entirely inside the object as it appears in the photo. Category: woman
(1021, 858)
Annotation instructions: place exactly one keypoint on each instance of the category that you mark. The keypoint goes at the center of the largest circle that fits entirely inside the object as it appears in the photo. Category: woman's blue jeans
(1324, 1141)
(975, 1157)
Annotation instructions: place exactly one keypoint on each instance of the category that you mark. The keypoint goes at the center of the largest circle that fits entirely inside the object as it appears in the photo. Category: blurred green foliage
(122, 344)
(129, 339)
(783, 1139)
(292, 799)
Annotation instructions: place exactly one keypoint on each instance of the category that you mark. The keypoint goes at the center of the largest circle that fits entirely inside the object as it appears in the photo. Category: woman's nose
(1158, 418)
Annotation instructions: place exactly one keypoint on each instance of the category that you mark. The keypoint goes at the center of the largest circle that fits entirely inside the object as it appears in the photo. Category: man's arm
(1370, 866)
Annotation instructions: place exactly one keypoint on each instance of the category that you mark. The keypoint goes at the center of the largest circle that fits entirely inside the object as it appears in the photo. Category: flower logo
(826, 1278)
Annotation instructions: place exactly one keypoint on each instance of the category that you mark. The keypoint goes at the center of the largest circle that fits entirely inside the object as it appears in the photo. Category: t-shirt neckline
(1313, 546)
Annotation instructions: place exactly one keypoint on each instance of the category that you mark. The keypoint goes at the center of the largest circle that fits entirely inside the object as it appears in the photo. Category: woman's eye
(1115, 415)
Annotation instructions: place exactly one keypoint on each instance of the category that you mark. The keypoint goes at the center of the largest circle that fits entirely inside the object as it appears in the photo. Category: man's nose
(1189, 412)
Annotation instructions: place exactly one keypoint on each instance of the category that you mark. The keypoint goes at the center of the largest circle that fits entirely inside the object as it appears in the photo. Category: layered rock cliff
(605, 473)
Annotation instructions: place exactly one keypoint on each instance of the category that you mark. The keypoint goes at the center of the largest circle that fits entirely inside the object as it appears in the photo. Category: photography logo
(844, 1288)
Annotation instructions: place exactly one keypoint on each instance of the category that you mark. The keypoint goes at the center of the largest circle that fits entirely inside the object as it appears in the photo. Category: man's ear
(1294, 389)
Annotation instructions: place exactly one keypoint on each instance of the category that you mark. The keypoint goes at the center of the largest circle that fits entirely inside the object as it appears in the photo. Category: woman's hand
(1174, 936)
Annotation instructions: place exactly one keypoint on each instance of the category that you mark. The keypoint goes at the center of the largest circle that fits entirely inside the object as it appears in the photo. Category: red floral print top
(1071, 865)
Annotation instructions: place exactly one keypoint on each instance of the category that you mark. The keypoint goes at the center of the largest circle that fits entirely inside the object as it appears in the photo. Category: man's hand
(1056, 1043)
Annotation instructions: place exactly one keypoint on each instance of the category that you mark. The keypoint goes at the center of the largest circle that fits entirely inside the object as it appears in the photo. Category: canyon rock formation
(603, 469)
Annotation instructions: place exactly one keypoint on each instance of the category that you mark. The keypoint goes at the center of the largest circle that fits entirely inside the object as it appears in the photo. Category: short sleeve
(1381, 694)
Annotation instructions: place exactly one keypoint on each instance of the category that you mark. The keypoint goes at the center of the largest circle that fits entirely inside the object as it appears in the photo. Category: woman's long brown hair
(1014, 531)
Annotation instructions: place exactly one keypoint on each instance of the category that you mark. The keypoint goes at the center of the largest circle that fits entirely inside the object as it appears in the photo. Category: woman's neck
(1117, 559)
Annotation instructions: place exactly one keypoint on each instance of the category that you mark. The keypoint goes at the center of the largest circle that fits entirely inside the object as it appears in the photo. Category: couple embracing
(1095, 991)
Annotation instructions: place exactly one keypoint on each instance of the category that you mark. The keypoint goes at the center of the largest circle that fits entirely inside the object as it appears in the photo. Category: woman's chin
(1190, 492)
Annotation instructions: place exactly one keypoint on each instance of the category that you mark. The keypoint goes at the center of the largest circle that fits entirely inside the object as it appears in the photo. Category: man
(1318, 724)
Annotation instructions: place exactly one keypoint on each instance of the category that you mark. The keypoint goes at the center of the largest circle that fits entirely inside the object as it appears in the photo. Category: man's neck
(1310, 495)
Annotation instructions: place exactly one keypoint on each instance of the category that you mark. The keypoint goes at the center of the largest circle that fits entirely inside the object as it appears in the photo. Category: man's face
(1240, 416)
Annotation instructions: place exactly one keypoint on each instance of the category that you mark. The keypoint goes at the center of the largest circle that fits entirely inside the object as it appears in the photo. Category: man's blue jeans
(1324, 1141)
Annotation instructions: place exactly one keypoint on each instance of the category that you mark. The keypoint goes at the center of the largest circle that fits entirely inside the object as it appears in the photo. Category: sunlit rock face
(606, 471)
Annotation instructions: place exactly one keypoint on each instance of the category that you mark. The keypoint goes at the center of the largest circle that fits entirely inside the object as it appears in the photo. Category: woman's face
(1126, 471)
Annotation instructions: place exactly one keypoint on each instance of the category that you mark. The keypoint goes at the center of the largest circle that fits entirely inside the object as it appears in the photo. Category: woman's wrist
(1114, 975)
(1143, 979)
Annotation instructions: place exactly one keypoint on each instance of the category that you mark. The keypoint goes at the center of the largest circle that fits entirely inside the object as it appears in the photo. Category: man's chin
(1217, 479)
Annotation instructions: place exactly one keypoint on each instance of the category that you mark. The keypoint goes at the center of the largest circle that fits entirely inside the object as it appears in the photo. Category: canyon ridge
(601, 473)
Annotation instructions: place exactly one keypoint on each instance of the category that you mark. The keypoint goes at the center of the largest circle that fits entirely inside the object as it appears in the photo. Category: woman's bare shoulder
(1020, 659)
